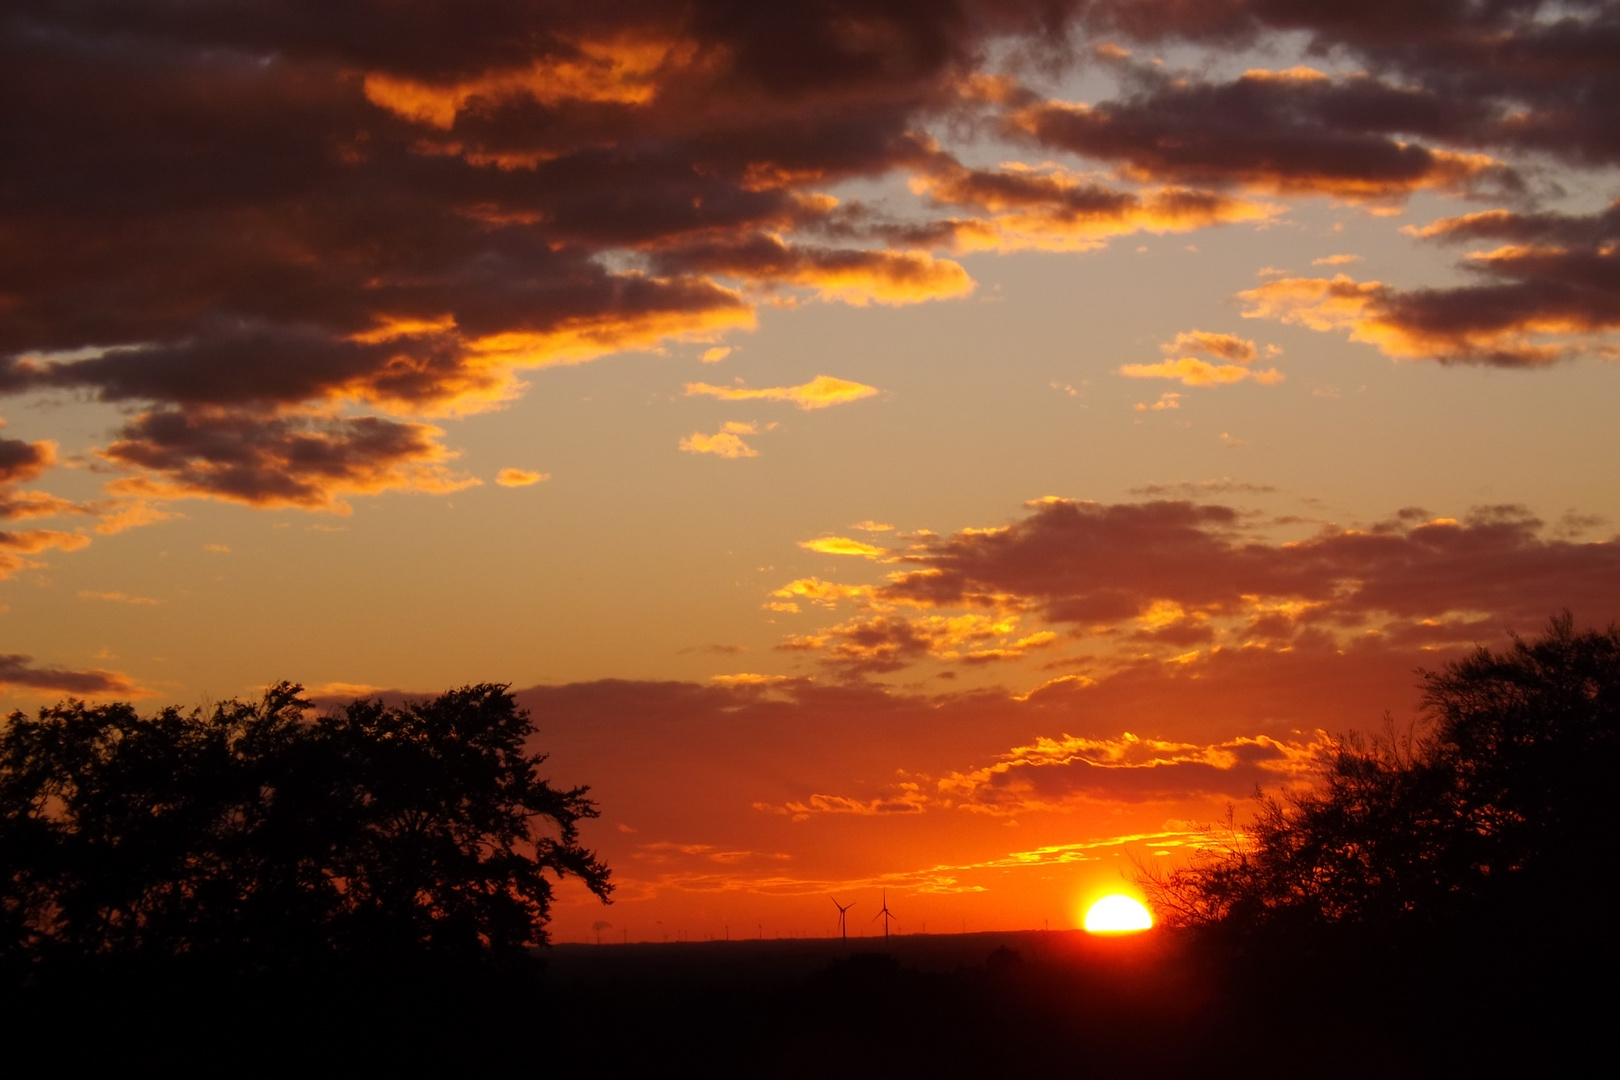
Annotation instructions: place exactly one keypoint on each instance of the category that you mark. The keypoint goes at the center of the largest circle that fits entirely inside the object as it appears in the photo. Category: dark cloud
(1530, 74)
(1053, 210)
(1291, 132)
(309, 462)
(275, 205)
(20, 672)
(272, 205)
(1053, 771)
(22, 461)
(1552, 291)
(1093, 563)
(881, 276)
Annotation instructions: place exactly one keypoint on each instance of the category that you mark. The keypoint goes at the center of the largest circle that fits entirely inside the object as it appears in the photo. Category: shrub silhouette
(1494, 810)
(258, 836)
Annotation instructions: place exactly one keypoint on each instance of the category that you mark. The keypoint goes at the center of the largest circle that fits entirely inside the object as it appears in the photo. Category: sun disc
(1117, 914)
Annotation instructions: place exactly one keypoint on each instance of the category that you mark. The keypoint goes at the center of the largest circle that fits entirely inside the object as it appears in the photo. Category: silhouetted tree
(264, 837)
(1496, 807)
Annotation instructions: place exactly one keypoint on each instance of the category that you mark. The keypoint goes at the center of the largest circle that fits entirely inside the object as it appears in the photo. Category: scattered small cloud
(1170, 399)
(132, 515)
(726, 443)
(716, 354)
(1336, 260)
(342, 690)
(819, 393)
(714, 650)
(217, 549)
(843, 545)
(520, 477)
(116, 597)
(750, 678)
(1230, 441)
(1232, 353)
(1202, 488)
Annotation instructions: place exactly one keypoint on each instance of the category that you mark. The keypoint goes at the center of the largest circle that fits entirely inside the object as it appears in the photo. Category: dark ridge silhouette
(256, 839)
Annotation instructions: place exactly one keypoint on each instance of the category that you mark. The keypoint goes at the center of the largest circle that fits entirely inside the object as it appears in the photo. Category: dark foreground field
(994, 1004)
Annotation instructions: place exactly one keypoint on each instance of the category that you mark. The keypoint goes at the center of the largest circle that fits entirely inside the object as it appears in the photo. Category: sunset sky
(950, 448)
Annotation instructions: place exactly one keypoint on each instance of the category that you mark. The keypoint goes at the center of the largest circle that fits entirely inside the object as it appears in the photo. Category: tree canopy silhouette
(266, 837)
(1494, 809)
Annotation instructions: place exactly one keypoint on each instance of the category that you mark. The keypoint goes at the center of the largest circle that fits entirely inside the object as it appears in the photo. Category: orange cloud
(910, 800)
(15, 545)
(1054, 210)
(342, 690)
(819, 393)
(22, 505)
(578, 340)
(520, 477)
(131, 514)
(826, 593)
(618, 72)
(887, 643)
(1226, 346)
(1061, 774)
(1549, 295)
(850, 275)
(1179, 584)
(1052, 773)
(1167, 400)
(726, 443)
(1192, 371)
(117, 598)
(22, 461)
(843, 545)
(1372, 312)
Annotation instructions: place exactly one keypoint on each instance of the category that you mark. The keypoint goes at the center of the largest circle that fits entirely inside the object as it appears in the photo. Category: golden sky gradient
(946, 448)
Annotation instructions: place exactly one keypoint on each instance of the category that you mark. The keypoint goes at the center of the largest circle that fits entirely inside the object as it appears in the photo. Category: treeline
(1437, 902)
(1456, 877)
(1498, 804)
(258, 837)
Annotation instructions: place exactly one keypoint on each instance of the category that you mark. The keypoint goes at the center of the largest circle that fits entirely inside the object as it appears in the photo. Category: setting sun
(1117, 914)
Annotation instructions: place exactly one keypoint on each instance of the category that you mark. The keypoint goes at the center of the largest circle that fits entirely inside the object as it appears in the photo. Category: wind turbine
(843, 924)
(885, 914)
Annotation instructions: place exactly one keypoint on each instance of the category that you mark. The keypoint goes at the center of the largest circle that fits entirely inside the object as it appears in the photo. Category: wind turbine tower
(885, 914)
(843, 924)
